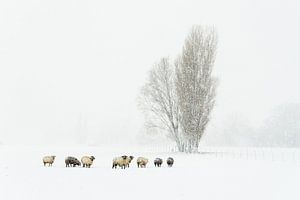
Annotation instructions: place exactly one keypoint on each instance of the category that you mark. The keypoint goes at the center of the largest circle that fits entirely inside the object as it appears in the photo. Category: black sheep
(72, 162)
(158, 162)
(170, 161)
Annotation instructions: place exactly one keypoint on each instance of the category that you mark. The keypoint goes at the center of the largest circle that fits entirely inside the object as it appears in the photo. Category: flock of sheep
(122, 161)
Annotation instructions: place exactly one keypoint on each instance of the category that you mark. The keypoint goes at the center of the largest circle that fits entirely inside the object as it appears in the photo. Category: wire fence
(246, 153)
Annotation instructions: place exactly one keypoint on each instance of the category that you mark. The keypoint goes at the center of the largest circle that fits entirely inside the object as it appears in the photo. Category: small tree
(158, 100)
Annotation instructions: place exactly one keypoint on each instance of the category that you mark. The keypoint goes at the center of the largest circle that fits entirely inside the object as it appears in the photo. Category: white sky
(67, 61)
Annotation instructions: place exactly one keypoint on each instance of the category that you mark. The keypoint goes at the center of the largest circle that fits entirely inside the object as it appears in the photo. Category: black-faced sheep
(158, 162)
(122, 161)
(130, 158)
(170, 161)
(49, 160)
(141, 162)
(72, 162)
(87, 161)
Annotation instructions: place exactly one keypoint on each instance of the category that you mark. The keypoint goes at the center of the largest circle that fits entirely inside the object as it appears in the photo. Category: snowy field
(238, 174)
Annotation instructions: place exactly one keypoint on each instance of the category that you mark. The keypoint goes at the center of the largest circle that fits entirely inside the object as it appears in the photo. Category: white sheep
(122, 161)
(141, 162)
(87, 161)
(119, 161)
(49, 160)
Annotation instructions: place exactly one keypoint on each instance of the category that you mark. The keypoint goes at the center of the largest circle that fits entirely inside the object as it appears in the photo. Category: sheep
(87, 161)
(170, 162)
(122, 161)
(130, 158)
(49, 160)
(158, 162)
(142, 162)
(72, 162)
(119, 161)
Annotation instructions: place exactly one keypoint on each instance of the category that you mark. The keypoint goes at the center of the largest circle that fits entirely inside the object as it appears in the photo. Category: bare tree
(158, 100)
(179, 98)
(195, 86)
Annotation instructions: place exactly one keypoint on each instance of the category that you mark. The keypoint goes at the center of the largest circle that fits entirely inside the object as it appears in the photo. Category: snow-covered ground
(232, 175)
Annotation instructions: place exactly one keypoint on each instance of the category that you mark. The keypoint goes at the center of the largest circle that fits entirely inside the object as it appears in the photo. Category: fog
(71, 71)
